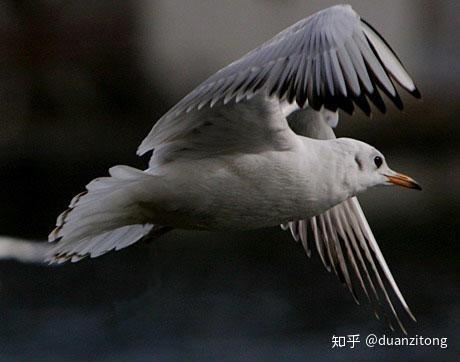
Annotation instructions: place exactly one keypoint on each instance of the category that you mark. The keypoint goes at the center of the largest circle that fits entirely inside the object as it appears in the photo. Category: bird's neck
(327, 172)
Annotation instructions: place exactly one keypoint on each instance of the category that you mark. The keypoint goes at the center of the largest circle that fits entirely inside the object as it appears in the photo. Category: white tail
(108, 216)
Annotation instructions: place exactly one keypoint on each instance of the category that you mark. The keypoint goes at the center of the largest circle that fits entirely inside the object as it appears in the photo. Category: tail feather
(106, 217)
(98, 245)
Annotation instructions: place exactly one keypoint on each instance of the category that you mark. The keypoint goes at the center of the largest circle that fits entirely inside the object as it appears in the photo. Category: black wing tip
(398, 102)
(348, 105)
(416, 93)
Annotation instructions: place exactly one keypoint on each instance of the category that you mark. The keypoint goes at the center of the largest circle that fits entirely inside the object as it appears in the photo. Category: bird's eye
(378, 161)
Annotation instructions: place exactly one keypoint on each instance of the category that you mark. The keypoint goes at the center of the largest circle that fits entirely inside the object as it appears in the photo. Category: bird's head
(366, 167)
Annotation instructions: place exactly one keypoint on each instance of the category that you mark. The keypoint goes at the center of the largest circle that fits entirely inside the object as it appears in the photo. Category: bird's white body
(248, 191)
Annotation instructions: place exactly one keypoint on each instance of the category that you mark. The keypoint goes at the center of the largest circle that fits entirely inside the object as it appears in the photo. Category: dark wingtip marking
(362, 103)
(377, 100)
(398, 102)
(65, 257)
(54, 235)
(301, 99)
(416, 93)
(63, 217)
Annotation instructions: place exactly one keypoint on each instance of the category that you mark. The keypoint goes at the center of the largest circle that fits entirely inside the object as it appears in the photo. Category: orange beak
(405, 181)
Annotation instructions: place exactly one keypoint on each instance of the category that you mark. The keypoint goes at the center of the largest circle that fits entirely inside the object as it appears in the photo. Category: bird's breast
(248, 192)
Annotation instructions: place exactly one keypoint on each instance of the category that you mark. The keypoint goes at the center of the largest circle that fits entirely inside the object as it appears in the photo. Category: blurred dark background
(81, 84)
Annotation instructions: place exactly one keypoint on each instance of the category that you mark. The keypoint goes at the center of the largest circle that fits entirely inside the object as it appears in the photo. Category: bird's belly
(244, 195)
(247, 207)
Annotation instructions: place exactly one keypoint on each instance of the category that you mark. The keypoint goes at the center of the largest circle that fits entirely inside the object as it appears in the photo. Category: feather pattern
(103, 218)
(332, 58)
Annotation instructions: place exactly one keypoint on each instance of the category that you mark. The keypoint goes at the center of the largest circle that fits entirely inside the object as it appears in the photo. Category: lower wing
(343, 238)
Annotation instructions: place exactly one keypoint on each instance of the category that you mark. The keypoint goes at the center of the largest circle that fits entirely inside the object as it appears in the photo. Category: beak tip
(405, 181)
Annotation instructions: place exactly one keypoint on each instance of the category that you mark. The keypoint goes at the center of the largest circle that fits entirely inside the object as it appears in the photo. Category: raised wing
(254, 125)
(343, 238)
(332, 58)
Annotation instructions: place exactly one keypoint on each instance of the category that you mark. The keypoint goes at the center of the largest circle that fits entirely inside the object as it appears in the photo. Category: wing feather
(374, 64)
(338, 75)
(319, 244)
(303, 236)
(389, 59)
(358, 62)
(349, 71)
(332, 59)
(328, 72)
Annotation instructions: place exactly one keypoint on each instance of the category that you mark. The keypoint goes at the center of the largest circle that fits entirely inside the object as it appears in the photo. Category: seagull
(253, 146)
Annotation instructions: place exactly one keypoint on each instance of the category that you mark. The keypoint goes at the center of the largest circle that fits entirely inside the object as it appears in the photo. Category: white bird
(253, 146)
